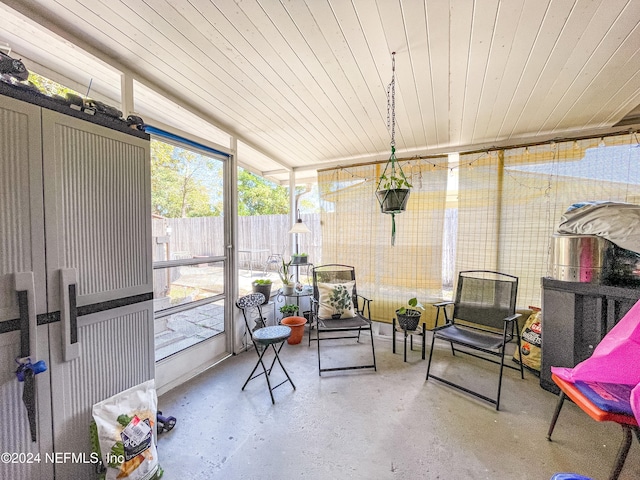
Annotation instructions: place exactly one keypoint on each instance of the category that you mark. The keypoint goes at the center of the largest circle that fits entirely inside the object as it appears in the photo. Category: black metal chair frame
(246, 303)
(361, 322)
(481, 334)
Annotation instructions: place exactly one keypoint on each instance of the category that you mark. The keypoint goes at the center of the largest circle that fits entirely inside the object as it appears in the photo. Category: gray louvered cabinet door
(116, 353)
(98, 210)
(22, 253)
(98, 227)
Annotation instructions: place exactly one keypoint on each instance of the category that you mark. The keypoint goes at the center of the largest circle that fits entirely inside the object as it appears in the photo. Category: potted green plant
(263, 286)
(289, 310)
(393, 192)
(408, 317)
(286, 277)
(299, 259)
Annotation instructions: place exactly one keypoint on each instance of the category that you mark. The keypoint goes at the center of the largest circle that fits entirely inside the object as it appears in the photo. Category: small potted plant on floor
(408, 317)
(295, 323)
(286, 277)
(299, 259)
(263, 286)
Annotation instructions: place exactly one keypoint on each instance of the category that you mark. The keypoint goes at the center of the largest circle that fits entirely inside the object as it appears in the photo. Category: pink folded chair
(606, 386)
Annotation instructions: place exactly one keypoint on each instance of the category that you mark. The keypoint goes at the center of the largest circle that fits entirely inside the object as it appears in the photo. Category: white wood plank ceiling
(304, 81)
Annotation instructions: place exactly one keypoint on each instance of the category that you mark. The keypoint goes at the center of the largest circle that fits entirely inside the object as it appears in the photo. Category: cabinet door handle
(25, 290)
(69, 314)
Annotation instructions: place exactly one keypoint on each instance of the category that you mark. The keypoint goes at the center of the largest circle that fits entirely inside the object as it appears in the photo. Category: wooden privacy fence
(176, 238)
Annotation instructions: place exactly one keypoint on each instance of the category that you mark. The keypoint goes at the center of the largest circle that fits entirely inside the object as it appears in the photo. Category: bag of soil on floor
(125, 433)
(531, 342)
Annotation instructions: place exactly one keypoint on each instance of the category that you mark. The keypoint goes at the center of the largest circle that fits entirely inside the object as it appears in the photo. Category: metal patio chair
(338, 312)
(273, 260)
(485, 302)
(263, 337)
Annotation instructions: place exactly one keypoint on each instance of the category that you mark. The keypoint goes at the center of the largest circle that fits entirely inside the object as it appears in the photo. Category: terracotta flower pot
(297, 328)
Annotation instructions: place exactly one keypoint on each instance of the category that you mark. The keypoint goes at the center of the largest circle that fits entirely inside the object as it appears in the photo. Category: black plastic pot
(408, 320)
(299, 260)
(263, 289)
(393, 201)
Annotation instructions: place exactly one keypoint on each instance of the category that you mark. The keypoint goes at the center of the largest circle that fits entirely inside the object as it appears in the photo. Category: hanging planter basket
(393, 191)
(393, 201)
(393, 187)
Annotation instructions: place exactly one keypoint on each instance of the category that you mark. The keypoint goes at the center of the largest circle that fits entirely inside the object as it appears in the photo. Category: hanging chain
(391, 102)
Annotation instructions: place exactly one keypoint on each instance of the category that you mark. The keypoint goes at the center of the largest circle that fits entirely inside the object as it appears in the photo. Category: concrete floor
(388, 424)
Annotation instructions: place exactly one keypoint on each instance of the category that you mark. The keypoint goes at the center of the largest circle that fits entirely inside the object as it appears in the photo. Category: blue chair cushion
(569, 476)
(269, 335)
(610, 397)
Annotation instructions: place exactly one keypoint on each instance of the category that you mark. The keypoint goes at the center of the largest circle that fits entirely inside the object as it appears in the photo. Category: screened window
(188, 248)
(489, 210)
(511, 202)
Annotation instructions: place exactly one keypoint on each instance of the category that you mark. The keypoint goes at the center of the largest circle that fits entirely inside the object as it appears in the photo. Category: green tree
(259, 196)
(179, 182)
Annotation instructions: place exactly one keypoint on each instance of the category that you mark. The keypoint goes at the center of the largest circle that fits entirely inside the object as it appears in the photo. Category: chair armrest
(513, 317)
(442, 304)
(441, 307)
(366, 304)
(363, 298)
(314, 304)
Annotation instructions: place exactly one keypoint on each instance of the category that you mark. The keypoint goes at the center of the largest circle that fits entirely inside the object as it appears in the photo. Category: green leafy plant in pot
(289, 310)
(286, 277)
(263, 286)
(393, 187)
(299, 258)
(408, 317)
(393, 192)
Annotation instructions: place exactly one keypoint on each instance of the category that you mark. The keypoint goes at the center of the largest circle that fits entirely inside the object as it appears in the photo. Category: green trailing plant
(289, 309)
(262, 281)
(394, 181)
(412, 304)
(299, 255)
